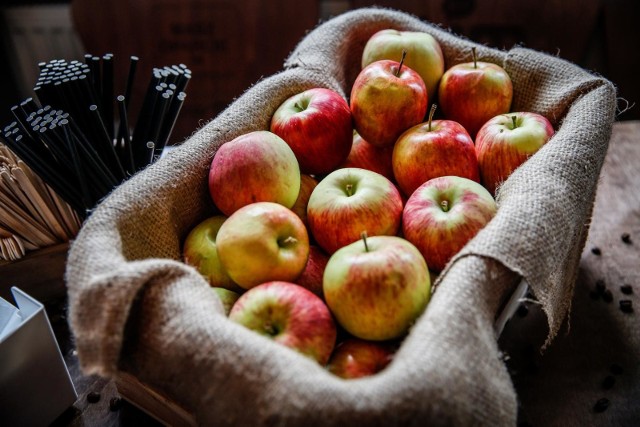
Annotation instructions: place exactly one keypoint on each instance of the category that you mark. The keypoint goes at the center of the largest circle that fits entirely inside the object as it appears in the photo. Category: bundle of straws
(32, 215)
(72, 139)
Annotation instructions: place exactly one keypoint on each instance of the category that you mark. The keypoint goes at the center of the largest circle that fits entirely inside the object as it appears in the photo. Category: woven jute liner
(135, 307)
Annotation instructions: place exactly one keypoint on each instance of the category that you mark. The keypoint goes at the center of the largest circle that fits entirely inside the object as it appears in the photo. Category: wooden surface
(589, 375)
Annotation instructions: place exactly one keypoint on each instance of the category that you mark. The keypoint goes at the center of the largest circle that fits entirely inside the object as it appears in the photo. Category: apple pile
(332, 221)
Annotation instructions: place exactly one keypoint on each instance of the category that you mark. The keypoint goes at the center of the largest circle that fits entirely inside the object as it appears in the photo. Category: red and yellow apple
(317, 126)
(290, 315)
(356, 358)
(508, 140)
(387, 98)
(443, 214)
(254, 167)
(377, 287)
(349, 201)
(307, 184)
(311, 277)
(432, 149)
(471, 93)
(262, 242)
(199, 250)
(367, 156)
(424, 54)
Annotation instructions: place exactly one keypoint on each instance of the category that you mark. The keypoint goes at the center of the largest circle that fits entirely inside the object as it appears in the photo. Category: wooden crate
(39, 273)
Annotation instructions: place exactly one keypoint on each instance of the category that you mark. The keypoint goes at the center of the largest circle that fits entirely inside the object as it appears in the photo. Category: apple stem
(444, 205)
(474, 56)
(431, 113)
(349, 189)
(513, 119)
(404, 54)
(363, 235)
(288, 241)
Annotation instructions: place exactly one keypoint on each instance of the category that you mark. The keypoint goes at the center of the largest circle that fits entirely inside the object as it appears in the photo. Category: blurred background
(230, 44)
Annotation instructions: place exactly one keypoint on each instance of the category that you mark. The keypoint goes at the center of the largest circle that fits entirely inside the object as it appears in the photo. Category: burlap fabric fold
(135, 307)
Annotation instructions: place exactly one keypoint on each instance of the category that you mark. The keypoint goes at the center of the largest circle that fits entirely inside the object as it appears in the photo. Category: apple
(387, 98)
(424, 54)
(317, 126)
(307, 184)
(367, 156)
(199, 251)
(432, 149)
(290, 315)
(443, 214)
(311, 277)
(254, 167)
(471, 93)
(377, 287)
(262, 242)
(227, 297)
(356, 358)
(349, 201)
(508, 140)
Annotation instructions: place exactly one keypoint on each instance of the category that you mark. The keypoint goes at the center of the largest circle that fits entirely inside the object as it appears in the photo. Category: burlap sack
(135, 307)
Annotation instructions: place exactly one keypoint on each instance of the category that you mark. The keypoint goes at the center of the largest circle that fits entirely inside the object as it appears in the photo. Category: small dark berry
(608, 382)
(626, 289)
(601, 405)
(596, 251)
(626, 306)
(626, 238)
(93, 397)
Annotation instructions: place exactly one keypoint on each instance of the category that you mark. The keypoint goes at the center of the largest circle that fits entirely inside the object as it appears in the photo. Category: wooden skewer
(50, 220)
(14, 188)
(47, 197)
(24, 225)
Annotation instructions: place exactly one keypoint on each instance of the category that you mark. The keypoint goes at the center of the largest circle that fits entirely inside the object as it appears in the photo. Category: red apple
(424, 54)
(317, 126)
(508, 140)
(432, 149)
(443, 214)
(377, 287)
(262, 242)
(255, 167)
(472, 93)
(356, 358)
(349, 201)
(367, 156)
(290, 315)
(307, 184)
(199, 251)
(311, 277)
(387, 98)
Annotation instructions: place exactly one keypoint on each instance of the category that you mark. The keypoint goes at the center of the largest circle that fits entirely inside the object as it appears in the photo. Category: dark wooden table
(589, 375)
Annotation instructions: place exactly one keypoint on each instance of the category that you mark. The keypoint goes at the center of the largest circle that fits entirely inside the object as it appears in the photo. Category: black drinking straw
(133, 62)
(124, 139)
(170, 121)
(107, 93)
(67, 138)
(106, 145)
(84, 193)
